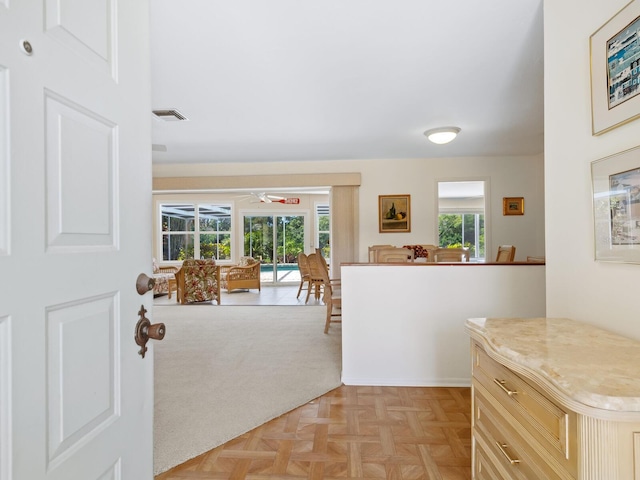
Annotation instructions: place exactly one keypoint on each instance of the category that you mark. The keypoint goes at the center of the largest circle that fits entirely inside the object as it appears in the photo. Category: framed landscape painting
(513, 206)
(615, 70)
(616, 207)
(394, 213)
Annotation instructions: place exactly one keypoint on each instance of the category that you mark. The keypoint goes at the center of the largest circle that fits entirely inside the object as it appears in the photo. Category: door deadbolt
(145, 330)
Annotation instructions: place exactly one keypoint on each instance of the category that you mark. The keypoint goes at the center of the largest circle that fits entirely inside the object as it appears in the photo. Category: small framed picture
(513, 206)
(394, 213)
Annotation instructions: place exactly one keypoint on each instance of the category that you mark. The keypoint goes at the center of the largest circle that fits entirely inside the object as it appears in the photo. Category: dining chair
(331, 290)
(451, 255)
(305, 273)
(373, 252)
(506, 254)
(316, 277)
(395, 255)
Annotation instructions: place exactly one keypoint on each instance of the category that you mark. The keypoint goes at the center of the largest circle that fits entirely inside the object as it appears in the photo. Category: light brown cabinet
(543, 407)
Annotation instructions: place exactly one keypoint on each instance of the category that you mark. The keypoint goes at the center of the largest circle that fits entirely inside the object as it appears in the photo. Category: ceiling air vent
(169, 115)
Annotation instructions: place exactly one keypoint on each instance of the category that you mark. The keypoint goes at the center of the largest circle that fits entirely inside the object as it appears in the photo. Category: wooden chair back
(373, 252)
(506, 254)
(316, 276)
(451, 255)
(305, 273)
(531, 259)
(395, 255)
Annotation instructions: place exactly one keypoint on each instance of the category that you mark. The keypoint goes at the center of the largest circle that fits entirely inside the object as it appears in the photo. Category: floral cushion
(162, 283)
(247, 261)
(200, 283)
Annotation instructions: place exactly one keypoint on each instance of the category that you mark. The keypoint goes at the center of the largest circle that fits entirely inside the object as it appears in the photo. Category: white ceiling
(345, 79)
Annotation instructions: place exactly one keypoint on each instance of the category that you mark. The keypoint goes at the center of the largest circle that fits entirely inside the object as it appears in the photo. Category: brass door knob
(145, 330)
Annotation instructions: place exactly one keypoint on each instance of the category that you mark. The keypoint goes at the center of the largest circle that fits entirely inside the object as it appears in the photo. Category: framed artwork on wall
(513, 206)
(616, 207)
(394, 213)
(615, 70)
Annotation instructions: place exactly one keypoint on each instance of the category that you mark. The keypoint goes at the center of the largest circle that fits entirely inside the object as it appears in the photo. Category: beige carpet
(223, 370)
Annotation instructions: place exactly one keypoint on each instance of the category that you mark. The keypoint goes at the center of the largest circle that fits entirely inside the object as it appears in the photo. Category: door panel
(76, 399)
(82, 383)
(87, 29)
(80, 149)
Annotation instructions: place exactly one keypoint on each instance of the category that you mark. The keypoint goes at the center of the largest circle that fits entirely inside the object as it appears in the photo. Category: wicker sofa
(245, 275)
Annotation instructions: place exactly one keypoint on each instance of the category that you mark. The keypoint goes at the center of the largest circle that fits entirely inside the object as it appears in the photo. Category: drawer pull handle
(502, 447)
(501, 384)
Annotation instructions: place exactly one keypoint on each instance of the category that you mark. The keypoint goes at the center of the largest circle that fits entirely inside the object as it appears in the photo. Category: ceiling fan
(263, 197)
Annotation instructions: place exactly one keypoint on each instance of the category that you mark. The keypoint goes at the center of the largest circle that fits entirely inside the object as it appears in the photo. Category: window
(196, 231)
(461, 221)
(323, 226)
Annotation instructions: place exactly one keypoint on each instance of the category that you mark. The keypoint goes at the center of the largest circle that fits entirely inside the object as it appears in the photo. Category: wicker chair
(198, 281)
(245, 275)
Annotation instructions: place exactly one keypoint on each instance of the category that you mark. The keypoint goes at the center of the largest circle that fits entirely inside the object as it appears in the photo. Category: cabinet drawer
(485, 469)
(550, 425)
(505, 447)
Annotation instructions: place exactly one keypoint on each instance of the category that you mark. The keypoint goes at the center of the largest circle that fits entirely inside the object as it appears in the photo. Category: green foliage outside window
(451, 228)
(258, 238)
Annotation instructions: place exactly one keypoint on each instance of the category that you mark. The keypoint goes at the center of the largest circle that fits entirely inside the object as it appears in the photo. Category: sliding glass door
(275, 240)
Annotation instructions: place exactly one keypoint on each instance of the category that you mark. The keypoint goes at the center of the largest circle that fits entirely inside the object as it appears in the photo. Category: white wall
(577, 286)
(404, 324)
(507, 176)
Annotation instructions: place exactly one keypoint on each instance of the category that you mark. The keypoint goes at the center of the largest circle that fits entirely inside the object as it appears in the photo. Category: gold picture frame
(513, 206)
(615, 71)
(616, 207)
(394, 213)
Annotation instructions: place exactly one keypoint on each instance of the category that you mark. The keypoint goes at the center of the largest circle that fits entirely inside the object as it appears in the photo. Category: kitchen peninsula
(403, 324)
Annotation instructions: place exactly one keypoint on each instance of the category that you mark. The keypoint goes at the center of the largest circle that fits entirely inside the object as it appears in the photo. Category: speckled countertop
(589, 365)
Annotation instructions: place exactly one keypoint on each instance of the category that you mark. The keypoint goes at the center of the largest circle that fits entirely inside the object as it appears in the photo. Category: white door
(76, 399)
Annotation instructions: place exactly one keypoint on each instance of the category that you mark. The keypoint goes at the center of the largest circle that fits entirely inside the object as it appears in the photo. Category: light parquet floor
(358, 432)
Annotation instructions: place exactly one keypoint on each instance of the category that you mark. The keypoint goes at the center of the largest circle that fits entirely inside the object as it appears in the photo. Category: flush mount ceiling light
(442, 135)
